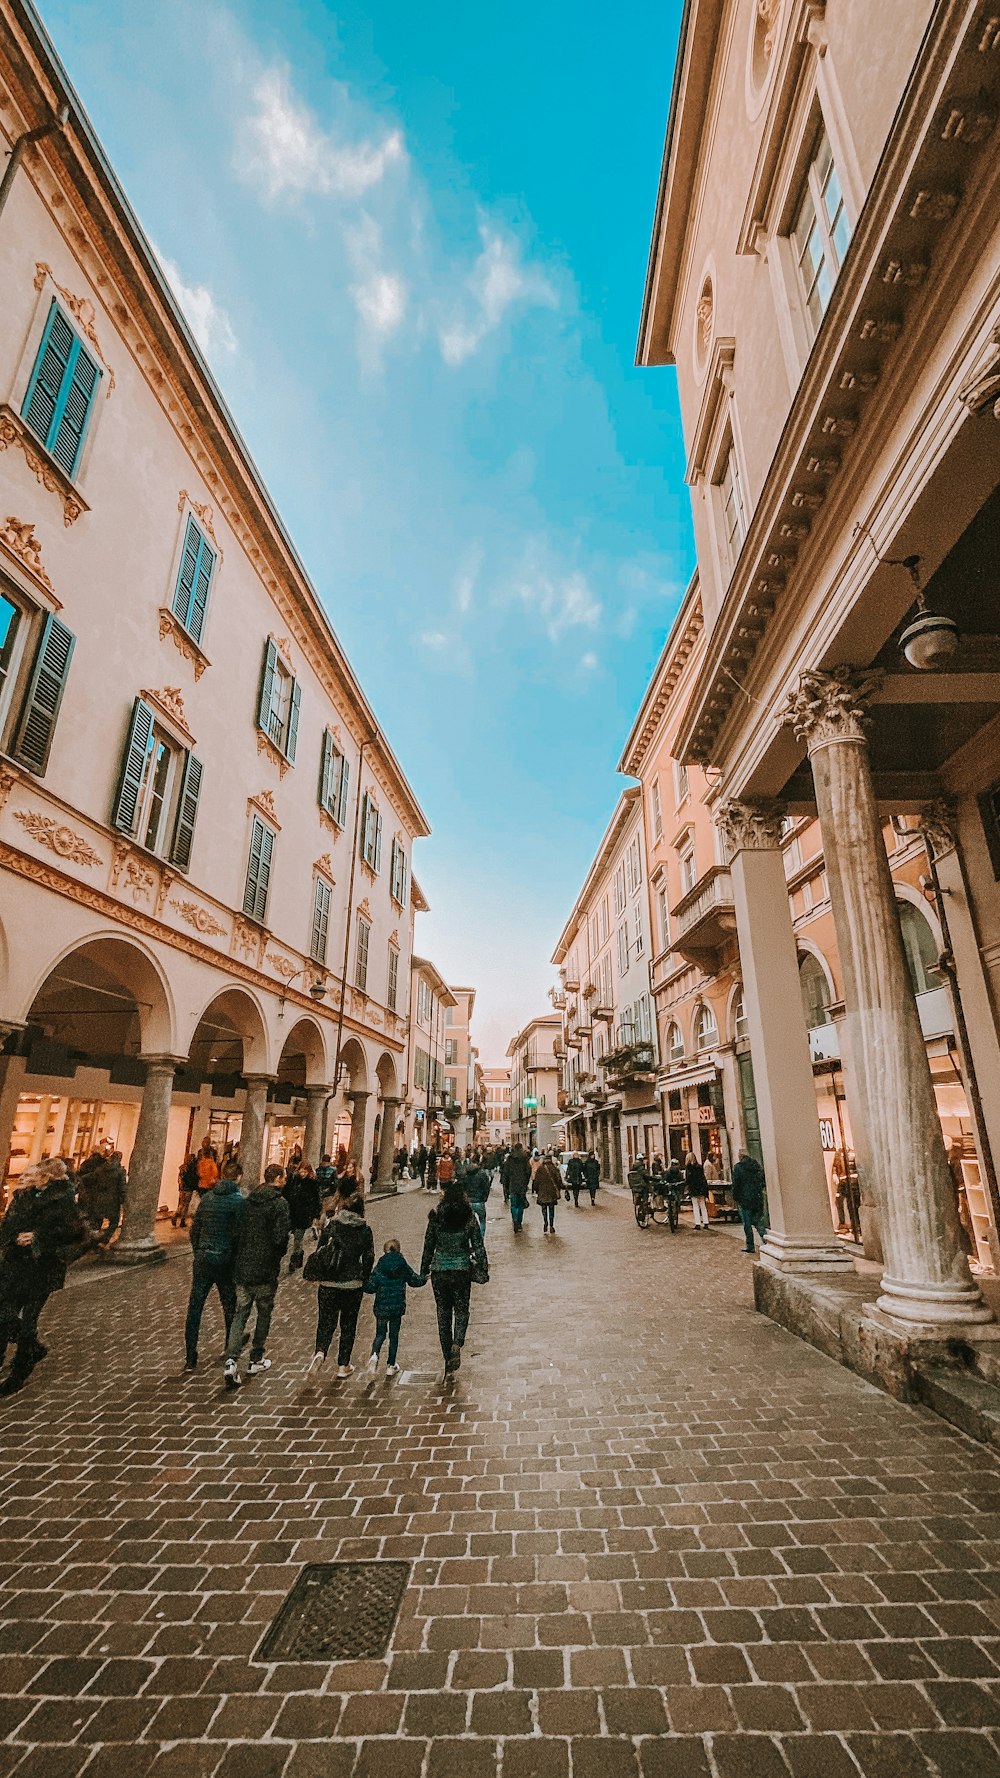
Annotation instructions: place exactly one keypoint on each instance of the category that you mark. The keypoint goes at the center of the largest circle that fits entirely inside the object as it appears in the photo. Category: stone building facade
(534, 1082)
(205, 837)
(823, 276)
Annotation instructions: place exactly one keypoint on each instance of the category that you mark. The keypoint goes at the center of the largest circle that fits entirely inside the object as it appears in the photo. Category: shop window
(815, 989)
(919, 948)
(820, 233)
(706, 1031)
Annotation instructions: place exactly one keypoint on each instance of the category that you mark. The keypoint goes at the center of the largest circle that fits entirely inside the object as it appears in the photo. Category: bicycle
(652, 1203)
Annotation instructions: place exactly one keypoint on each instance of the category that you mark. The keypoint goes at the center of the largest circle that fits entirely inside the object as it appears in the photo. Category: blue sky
(412, 241)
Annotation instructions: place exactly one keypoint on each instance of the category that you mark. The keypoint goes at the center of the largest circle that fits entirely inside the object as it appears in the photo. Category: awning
(687, 1077)
(443, 1124)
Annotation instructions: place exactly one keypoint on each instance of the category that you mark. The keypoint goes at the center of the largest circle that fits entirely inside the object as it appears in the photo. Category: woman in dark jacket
(347, 1250)
(696, 1186)
(41, 1232)
(453, 1246)
(302, 1195)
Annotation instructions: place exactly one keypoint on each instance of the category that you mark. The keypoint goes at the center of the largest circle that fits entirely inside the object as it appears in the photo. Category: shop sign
(826, 1135)
(529, 1104)
(706, 1114)
(679, 1117)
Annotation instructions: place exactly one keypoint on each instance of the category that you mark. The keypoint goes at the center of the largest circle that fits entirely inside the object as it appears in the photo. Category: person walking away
(574, 1177)
(420, 1163)
(326, 1176)
(304, 1198)
(105, 1197)
(478, 1184)
(214, 1235)
(748, 1195)
(696, 1186)
(342, 1264)
(43, 1230)
(516, 1180)
(387, 1284)
(187, 1185)
(453, 1251)
(431, 1170)
(592, 1176)
(208, 1166)
(547, 1186)
(260, 1249)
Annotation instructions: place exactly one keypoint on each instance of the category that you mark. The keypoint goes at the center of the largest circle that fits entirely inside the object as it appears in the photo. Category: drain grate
(338, 1611)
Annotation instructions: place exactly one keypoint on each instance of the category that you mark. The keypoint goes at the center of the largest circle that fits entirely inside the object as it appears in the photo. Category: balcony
(572, 984)
(589, 991)
(630, 1065)
(705, 918)
(557, 998)
(536, 1064)
(603, 1015)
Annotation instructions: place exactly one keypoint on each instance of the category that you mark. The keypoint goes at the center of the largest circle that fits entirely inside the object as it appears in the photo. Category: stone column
(312, 1141)
(252, 1129)
(387, 1145)
(926, 1286)
(617, 1172)
(137, 1244)
(800, 1237)
(359, 1098)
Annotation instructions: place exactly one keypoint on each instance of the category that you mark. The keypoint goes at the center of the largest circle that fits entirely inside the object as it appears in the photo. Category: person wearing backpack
(260, 1249)
(341, 1265)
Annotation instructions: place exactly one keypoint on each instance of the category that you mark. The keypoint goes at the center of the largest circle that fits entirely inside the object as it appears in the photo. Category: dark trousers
(452, 1291)
(19, 1327)
(575, 1189)
(337, 1305)
(205, 1278)
(249, 1296)
(752, 1219)
(386, 1324)
(549, 1217)
(517, 1208)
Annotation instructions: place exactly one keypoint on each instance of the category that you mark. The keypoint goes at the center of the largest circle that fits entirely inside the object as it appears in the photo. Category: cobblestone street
(650, 1534)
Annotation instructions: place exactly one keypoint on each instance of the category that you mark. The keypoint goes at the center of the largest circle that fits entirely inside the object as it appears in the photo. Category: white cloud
(562, 599)
(589, 661)
(207, 320)
(379, 295)
(292, 155)
(434, 639)
(499, 280)
(465, 583)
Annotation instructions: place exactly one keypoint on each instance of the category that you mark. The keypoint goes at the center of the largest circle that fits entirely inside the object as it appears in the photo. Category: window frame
(61, 399)
(275, 671)
(319, 930)
(392, 979)
(193, 604)
(398, 873)
(370, 834)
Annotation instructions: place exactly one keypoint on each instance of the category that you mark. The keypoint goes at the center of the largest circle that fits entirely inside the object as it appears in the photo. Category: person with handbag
(455, 1258)
(341, 1265)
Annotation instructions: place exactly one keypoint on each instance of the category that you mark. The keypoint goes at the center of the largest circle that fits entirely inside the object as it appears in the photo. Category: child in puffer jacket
(387, 1284)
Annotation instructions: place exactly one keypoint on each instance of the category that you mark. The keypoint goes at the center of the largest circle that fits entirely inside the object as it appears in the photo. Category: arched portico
(304, 1067)
(389, 1104)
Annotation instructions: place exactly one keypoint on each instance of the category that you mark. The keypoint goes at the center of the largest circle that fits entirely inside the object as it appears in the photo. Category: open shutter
(267, 686)
(326, 774)
(35, 729)
(343, 787)
(378, 841)
(202, 582)
(403, 878)
(188, 573)
(293, 722)
(45, 387)
(79, 386)
(364, 826)
(133, 765)
(264, 879)
(187, 811)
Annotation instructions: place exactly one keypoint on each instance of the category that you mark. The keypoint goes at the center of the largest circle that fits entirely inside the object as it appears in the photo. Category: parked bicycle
(654, 1198)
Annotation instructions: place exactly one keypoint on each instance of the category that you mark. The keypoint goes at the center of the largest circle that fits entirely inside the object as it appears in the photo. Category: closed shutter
(342, 790)
(33, 739)
(326, 800)
(292, 735)
(79, 385)
(267, 686)
(404, 879)
(258, 870)
(193, 581)
(187, 810)
(126, 807)
(51, 368)
(365, 817)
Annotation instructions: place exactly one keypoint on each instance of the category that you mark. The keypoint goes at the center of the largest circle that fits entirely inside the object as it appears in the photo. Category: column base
(804, 1253)
(385, 1187)
(147, 1251)
(931, 1310)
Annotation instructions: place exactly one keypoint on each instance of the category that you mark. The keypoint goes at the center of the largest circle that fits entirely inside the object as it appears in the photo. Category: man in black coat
(214, 1238)
(44, 1229)
(260, 1249)
(748, 1196)
(592, 1175)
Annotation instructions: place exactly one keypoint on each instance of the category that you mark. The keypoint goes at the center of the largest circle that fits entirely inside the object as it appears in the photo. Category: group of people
(698, 1179)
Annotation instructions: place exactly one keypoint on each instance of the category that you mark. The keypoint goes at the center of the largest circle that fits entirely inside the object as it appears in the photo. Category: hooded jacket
(349, 1234)
(263, 1237)
(548, 1182)
(216, 1227)
(388, 1282)
(477, 1183)
(748, 1185)
(453, 1242)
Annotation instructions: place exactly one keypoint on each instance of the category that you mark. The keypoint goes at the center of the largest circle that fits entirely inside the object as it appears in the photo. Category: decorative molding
(981, 391)
(767, 14)
(8, 778)
(274, 754)
(204, 514)
(83, 312)
(326, 820)
(43, 467)
(285, 966)
(61, 840)
(171, 626)
(364, 909)
(167, 880)
(394, 936)
(324, 866)
(170, 704)
(199, 918)
(120, 850)
(750, 827)
(827, 707)
(18, 537)
(250, 940)
(939, 826)
(284, 648)
(140, 881)
(263, 802)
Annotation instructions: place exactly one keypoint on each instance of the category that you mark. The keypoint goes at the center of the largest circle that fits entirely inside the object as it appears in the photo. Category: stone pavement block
(321, 1760)
(540, 1757)
(253, 1759)
(747, 1756)
(461, 1759)
(818, 1756)
(888, 1756)
(954, 1754)
(634, 1710)
(679, 1756)
(606, 1758)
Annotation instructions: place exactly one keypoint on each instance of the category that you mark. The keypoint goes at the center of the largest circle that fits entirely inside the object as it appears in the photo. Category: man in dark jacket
(345, 1256)
(42, 1231)
(101, 1195)
(574, 1177)
(592, 1175)
(516, 1182)
(214, 1235)
(260, 1249)
(478, 1184)
(748, 1196)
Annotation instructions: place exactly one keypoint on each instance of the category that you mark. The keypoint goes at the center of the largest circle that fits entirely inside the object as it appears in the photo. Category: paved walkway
(652, 1536)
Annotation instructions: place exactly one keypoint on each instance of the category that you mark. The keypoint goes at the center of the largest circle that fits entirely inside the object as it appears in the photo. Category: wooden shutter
(194, 579)
(33, 739)
(51, 366)
(326, 774)
(343, 787)
(270, 668)
(79, 385)
(187, 810)
(258, 870)
(365, 808)
(377, 864)
(292, 735)
(126, 807)
(404, 877)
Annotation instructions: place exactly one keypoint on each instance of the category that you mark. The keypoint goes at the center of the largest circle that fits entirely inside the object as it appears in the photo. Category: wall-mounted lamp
(317, 988)
(930, 641)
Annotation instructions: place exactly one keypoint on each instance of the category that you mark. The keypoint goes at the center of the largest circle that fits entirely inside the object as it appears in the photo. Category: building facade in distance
(534, 1082)
(496, 1088)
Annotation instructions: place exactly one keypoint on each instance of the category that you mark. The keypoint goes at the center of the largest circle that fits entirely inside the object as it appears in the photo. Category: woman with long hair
(453, 1255)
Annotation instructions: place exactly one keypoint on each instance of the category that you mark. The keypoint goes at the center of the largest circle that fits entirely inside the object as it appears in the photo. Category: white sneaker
(373, 1362)
(392, 1370)
(317, 1359)
(258, 1364)
(231, 1376)
(345, 1370)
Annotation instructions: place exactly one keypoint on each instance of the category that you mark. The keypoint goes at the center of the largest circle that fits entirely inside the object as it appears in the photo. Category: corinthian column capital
(939, 825)
(829, 706)
(749, 827)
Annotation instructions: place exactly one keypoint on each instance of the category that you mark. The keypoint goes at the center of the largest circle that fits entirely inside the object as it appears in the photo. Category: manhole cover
(338, 1611)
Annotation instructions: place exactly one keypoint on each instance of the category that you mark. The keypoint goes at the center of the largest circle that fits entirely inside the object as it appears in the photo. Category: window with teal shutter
(37, 721)
(125, 815)
(278, 703)
(398, 874)
(258, 870)
(194, 578)
(334, 780)
(322, 895)
(61, 391)
(187, 810)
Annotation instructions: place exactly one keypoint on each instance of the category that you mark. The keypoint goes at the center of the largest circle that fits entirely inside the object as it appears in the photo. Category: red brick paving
(652, 1536)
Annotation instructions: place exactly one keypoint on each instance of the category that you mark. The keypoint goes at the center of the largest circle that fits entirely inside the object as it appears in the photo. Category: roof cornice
(681, 642)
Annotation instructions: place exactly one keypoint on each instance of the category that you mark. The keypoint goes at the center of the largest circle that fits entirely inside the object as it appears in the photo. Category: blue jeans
(387, 1324)
(206, 1277)
(517, 1208)
(549, 1217)
(752, 1219)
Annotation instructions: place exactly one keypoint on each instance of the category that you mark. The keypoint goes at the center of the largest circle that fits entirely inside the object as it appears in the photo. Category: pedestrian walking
(748, 1196)
(454, 1256)
(260, 1249)
(326, 1176)
(388, 1284)
(592, 1176)
(207, 1162)
(516, 1180)
(341, 1266)
(303, 1196)
(187, 1185)
(430, 1170)
(547, 1185)
(420, 1163)
(696, 1186)
(101, 1195)
(214, 1236)
(574, 1177)
(478, 1185)
(43, 1230)
(349, 1181)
